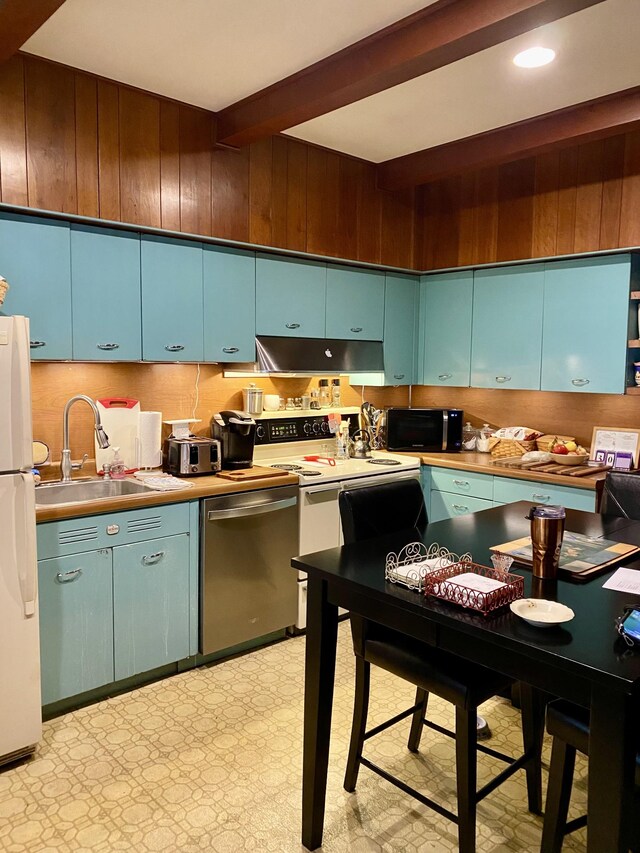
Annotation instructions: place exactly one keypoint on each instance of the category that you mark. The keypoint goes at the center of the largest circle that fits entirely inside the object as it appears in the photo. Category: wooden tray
(255, 473)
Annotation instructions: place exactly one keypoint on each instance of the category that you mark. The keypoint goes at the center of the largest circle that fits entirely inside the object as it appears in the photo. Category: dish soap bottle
(468, 437)
(117, 465)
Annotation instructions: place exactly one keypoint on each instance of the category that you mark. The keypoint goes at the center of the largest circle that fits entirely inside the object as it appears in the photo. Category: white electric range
(283, 443)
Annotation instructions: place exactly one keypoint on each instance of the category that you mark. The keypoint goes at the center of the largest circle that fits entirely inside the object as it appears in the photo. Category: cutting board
(255, 473)
(120, 418)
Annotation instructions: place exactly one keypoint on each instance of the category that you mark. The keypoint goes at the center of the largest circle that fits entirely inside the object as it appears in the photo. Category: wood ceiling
(442, 33)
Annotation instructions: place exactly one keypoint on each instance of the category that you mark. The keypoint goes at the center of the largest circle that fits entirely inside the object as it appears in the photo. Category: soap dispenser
(117, 465)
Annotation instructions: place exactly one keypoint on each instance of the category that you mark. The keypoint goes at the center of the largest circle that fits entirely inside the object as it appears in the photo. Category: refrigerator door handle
(22, 373)
(26, 549)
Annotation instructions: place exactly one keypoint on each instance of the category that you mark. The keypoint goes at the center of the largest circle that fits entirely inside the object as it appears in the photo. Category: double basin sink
(80, 491)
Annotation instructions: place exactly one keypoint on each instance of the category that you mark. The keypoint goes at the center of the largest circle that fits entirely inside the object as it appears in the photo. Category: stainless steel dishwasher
(248, 587)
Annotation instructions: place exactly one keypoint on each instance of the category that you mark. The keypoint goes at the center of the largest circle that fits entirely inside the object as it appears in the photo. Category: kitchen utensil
(547, 530)
(324, 460)
(120, 417)
(360, 447)
(541, 613)
(252, 399)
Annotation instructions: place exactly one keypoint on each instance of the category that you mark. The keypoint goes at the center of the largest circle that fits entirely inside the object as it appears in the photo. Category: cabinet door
(290, 297)
(586, 306)
(105, 294)
(506, 340)
(447, 505)
(35, 260)
(355, 304)
(229, 304)
(400, 328)
(171, 300)
(76, 624)
(150, 604)
(446, 303)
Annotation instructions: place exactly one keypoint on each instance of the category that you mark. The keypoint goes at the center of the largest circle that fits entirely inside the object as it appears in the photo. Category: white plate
(541, 613)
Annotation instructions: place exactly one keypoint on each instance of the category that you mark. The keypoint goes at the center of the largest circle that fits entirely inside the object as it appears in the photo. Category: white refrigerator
(20, 714)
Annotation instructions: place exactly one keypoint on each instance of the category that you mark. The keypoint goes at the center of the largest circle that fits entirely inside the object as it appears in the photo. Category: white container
(271, 402)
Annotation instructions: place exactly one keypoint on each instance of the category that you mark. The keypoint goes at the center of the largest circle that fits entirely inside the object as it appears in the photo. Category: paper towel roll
(150, 448)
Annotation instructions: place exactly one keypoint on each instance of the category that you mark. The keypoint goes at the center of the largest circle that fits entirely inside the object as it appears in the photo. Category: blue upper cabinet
(229, 304)
(171, 300)
(105, 294)
(506, 341)
(400, 329)
(446, 304)
(290, 297)
(586, 307)
(35, 260)
(355, 303)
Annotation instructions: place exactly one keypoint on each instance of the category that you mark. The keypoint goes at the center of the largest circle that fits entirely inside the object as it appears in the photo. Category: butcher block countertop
(482, 463)
(203, 487)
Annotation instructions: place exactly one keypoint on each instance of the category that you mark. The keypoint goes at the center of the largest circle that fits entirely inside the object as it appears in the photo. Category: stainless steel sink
(73, 493)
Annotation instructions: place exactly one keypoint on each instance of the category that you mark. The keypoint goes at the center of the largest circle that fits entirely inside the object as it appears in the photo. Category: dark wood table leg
(533, 704)
(320, 666)
(612, 748)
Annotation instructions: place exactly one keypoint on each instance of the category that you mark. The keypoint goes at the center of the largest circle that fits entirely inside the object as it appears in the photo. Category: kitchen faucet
(66, 465)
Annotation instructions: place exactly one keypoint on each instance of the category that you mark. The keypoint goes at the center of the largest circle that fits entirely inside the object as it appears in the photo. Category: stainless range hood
(318, 356)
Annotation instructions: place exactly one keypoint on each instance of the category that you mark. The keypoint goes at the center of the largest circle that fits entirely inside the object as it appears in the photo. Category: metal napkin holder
(413, 563)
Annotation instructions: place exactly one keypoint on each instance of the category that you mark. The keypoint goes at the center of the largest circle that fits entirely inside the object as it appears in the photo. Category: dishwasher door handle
(250, 509)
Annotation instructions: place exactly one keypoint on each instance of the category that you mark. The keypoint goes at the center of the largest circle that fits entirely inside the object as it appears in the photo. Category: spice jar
(325, 394)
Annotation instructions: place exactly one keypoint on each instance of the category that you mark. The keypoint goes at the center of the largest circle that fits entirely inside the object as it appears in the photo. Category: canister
(252, 399)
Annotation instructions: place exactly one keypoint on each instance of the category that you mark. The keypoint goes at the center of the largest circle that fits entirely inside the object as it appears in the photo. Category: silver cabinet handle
(250, 509)
(108, 346)
(579, 382)
(37, 344)
(356, 328)
(461, 482)
(67, 577)
(398, 375)
(151, 559)
(541, 497)
(230, 349)
(460, 507)
(292, 325)
(443, 376)
(503, 379)
(174, 347)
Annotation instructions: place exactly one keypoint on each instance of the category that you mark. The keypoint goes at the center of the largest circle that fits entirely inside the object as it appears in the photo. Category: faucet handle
(77, 466)
(106, 471)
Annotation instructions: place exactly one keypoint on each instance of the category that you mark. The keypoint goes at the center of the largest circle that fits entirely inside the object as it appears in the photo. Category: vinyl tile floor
(211, 760)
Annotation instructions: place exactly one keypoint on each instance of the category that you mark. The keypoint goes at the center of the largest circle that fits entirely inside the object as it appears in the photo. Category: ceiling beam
(584, 122)
(431, 38)
(19, 19)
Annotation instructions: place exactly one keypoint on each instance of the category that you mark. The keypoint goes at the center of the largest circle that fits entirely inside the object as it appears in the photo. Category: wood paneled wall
(580, 199)
(76, 143)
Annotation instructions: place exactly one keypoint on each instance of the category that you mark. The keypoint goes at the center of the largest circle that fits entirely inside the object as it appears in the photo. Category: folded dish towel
(165, 483)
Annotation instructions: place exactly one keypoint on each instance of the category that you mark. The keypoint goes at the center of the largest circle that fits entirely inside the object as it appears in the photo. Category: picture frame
(615, 446)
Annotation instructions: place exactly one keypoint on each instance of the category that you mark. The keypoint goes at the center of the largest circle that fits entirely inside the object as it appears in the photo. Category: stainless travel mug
(547, 530)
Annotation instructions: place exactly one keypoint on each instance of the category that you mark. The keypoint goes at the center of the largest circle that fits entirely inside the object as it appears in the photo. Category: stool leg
(359, 725)
(466, 724)
(422, 698)
(532, 706)
(563, 759)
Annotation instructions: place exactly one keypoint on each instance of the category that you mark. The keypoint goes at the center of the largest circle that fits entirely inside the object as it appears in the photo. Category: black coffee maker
(236, 432)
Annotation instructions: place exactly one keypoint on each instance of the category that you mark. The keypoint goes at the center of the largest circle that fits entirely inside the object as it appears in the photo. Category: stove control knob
(324, 427)
(307, 428)
(316, 428)
(260, 431)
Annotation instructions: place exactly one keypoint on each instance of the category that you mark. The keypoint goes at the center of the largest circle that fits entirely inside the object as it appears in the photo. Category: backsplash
(171, 389)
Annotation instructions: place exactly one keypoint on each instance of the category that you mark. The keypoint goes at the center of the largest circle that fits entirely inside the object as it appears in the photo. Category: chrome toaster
(188, 457)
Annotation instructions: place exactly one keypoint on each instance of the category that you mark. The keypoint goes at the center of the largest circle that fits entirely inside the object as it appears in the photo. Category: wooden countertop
(203, 487)
(482, 463)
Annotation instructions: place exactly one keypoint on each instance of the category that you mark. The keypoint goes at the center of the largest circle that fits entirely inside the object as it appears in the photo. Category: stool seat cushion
(460, 682)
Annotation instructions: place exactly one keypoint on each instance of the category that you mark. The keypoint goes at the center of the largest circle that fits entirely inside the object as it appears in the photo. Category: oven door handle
(319, 490)
(250, 509)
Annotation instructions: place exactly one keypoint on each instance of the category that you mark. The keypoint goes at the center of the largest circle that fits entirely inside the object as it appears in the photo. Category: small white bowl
(541, 613)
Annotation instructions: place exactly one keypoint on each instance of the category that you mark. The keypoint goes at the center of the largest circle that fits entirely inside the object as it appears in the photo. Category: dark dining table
(583, 660)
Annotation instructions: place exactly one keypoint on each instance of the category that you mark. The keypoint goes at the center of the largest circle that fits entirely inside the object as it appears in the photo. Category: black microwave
(430, 430)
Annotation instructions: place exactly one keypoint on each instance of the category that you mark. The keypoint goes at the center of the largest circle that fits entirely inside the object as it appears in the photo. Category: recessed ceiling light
(534, 57)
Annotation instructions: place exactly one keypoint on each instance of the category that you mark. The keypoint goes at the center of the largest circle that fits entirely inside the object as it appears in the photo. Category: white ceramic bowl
(541, 613)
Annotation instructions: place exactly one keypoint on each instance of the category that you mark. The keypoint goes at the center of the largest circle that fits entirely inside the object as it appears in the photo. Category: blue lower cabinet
(425, 481)
(105, 294)
(35, 258)
(150, 604)
(76, 624)
(449, 505)
(171, 268)
(508, 490)
(229, 304)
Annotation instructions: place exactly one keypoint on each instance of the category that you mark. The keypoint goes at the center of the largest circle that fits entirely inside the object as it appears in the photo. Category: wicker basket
(509, 447)
(3, 289)
(546, 442)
